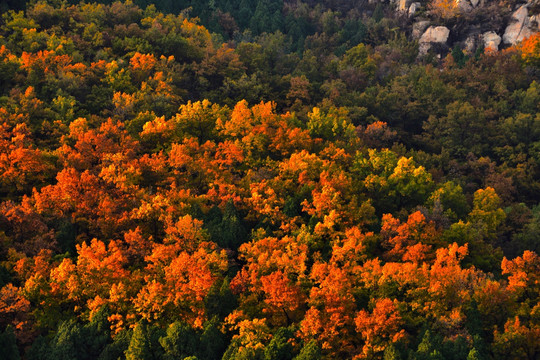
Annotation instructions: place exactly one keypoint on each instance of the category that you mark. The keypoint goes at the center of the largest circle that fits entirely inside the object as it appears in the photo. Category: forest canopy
(263, 180)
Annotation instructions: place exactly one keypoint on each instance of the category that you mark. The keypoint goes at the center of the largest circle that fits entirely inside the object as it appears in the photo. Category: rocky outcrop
(433, 35)
(403, 5)
(518, 29)
(491, 40)
(414, 6)
(535, 20)
(419, 27)
(477, 24)
(471, 43)
(464, 6)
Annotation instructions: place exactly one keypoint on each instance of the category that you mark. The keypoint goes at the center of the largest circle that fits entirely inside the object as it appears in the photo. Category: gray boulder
(518, 29)
(491, 40)
(419, 27)
(433, 35)
(414, 6)
(464, 6)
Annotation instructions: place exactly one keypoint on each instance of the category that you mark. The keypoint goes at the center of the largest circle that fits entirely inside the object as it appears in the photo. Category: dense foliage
(313, 192)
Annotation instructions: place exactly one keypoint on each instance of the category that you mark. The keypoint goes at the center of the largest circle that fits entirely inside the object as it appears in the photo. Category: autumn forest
(264, 180)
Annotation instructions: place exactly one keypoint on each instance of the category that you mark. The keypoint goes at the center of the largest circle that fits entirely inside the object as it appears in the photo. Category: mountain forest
(269, 180)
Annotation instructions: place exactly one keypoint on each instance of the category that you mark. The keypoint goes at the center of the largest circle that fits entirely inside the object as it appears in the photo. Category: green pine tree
(8, 345)
(391, 353)
(118, 347)
(279, 348)
(429, 348)
(220, 301)
(310, 351)
(144, 343)
(213, 341)
(474, 355)
(180, 342)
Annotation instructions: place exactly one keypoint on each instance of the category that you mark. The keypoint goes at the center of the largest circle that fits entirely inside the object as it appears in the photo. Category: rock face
(518, 29)
(491, 40)
(471, 43)
(483, 24)
(433, 35)
(419, 27)
(464, 6)
(414, 6)
(403, 5)
(535, 20)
